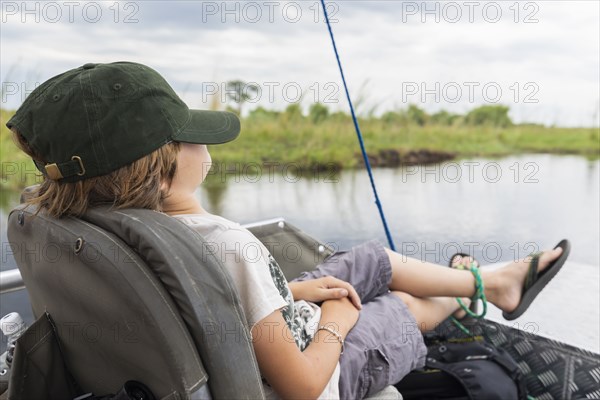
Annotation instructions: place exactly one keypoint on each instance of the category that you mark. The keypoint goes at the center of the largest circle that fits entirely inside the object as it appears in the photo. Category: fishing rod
(358, 132)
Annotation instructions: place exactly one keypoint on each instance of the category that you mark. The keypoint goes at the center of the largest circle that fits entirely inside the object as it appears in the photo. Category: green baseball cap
(94, 119)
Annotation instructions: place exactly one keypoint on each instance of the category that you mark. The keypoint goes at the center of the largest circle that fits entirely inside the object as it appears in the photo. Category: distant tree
(240, 92)
(293, 111)
(443, 117)
(492, 115)
(416, 115)
(318, 112)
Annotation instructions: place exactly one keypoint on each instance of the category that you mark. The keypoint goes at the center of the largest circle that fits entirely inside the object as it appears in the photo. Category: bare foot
(505, 286)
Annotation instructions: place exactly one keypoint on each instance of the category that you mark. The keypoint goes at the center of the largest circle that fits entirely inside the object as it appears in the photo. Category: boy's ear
(164, 186)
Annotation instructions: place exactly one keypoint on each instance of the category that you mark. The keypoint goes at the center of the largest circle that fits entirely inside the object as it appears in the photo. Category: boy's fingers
(356, 301)
(354, 297)
(341, 293)
(350, 291)
(335, 293)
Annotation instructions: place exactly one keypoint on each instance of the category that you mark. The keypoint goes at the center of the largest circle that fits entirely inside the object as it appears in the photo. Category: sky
(540, 58)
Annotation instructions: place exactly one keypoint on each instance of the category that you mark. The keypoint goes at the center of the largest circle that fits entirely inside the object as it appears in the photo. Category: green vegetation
(326, 140)
(240, 92)
(17, 169)
(489, 115)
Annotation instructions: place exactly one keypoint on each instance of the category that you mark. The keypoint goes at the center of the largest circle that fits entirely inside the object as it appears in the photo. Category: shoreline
(297, 143)
(384, 158)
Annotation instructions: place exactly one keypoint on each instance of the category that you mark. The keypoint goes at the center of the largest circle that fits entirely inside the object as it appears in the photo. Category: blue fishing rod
(358, 132)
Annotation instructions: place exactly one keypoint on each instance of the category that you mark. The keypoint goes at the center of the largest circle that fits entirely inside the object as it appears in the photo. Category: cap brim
(209, 127)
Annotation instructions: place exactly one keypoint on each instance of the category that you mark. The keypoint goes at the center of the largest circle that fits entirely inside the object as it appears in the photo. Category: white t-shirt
(261, 285)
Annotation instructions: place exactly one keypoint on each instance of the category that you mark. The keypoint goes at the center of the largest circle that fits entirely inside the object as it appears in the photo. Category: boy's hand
(326, 288)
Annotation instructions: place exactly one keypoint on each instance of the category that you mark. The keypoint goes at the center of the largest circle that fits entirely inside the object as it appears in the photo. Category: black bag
(465, 369)
(38, 369)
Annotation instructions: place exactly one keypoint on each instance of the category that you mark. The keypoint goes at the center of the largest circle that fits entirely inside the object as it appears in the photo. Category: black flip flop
(534, 282)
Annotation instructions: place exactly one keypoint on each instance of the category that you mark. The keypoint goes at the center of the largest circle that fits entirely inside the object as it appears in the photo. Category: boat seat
(132, 302)
(137, 295)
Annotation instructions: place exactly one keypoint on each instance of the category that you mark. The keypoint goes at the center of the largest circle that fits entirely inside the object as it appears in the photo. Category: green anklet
(479, 295)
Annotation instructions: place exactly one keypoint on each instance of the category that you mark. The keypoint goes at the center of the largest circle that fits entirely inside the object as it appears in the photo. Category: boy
(117, 133)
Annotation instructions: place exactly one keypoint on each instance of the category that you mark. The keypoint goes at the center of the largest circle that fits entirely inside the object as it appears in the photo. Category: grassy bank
(330, 142)
(333, 141)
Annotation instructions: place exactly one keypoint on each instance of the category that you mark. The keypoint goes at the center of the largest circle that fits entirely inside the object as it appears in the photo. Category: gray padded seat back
(294, 250)
(134, 297)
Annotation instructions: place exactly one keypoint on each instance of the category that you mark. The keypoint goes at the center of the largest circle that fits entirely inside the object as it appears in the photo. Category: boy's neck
(178, 205)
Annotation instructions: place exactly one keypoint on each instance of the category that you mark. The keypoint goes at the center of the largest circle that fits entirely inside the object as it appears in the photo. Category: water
(496, 209)
(504, 209)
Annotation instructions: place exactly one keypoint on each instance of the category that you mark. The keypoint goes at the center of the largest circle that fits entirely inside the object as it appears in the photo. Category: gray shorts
(385, 344)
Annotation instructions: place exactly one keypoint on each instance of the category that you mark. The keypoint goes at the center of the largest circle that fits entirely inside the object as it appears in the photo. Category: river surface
(496, 209)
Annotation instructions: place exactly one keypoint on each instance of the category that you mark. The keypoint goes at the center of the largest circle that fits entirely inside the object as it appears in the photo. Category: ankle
(490, 283)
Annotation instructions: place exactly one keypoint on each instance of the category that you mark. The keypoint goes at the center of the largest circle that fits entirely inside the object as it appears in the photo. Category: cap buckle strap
(56, 171)
(81, 168)
(53, 172)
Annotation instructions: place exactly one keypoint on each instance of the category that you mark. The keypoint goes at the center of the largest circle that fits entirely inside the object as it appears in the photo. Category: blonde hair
(137, 185)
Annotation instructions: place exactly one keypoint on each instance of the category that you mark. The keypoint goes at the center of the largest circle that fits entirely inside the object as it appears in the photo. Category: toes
(549, 256)
(464, 262)
(460, 260)
(456, 260)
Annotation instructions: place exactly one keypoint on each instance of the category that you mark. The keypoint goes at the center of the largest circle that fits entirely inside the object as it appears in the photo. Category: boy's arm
(296, 374)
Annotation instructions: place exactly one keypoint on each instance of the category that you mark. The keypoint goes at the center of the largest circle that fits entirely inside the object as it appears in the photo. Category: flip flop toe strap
(532, 273)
